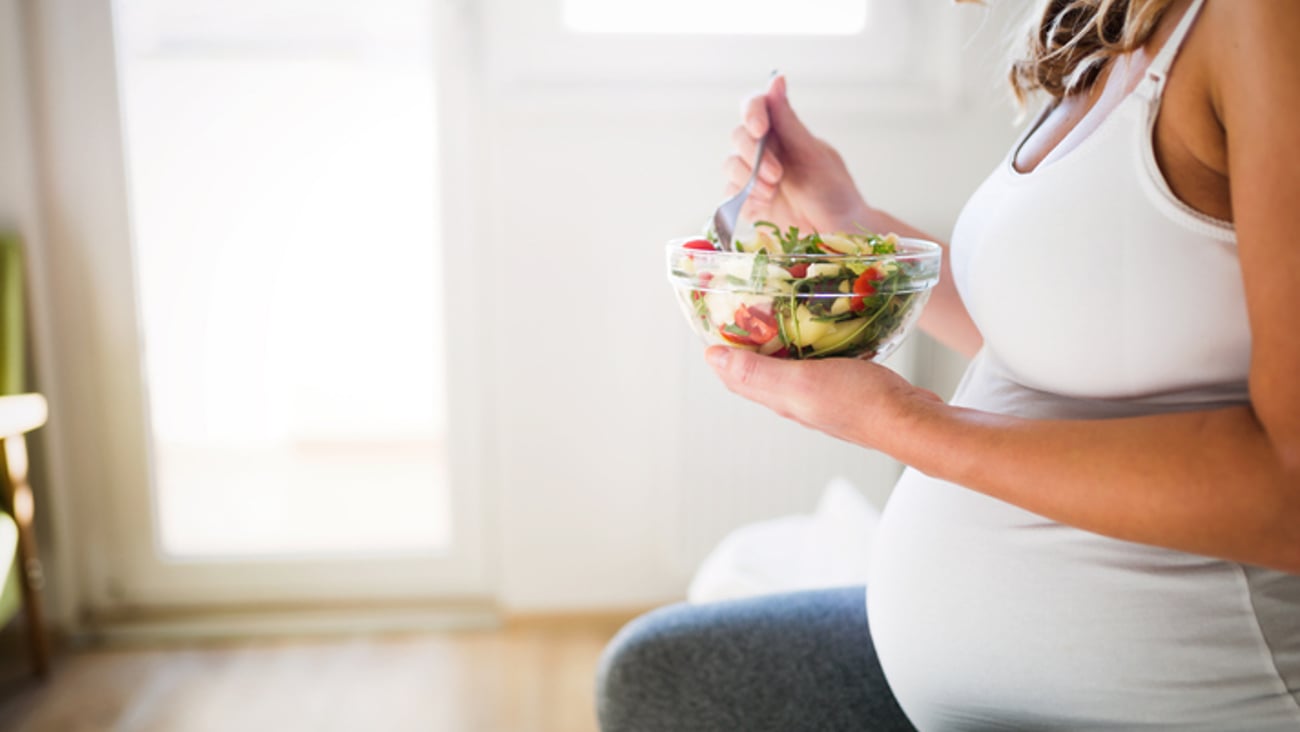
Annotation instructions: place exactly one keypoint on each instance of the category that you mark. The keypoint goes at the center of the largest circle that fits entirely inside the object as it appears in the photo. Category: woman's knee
(640, 673)
(798, 661)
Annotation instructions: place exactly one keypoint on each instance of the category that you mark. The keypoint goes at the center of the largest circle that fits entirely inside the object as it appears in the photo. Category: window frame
(86, 283)
(907, 56)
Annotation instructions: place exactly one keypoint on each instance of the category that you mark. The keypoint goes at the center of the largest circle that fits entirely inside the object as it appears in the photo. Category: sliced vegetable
(759, 326)
(864, 286)
(840, 244)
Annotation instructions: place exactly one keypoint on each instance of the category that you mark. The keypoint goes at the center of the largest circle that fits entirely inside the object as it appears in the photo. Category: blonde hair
(1070, 41)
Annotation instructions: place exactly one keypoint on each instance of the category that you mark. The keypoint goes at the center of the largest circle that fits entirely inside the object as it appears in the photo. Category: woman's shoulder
(1235, 71)
(1249, 47)
(1264, 19)
(1251, 70)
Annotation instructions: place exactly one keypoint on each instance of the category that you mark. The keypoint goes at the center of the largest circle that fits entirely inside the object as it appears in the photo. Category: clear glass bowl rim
(921, 250)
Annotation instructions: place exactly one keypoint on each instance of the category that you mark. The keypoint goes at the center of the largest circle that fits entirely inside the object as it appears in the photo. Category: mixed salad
(802, 296)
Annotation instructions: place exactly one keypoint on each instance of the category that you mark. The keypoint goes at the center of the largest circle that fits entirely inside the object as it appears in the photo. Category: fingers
(736, 170)
(849, 399)
(754, 210)
(771, 108)
(756, 207)
(774, 383)
(793, 134)
(770, 169)
(753, 114)
(744, 141)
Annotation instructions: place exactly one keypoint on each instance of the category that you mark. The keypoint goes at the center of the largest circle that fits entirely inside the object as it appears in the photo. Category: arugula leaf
(758, 276)
(702, 308)
(735, 330)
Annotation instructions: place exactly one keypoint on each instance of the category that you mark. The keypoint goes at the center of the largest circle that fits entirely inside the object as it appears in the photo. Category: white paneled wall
(620, 459)
(615, 458)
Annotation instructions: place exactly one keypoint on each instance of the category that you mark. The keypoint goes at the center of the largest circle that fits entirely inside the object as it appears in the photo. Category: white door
(250, 204)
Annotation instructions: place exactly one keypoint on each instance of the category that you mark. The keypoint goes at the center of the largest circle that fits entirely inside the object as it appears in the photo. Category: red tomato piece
(760, 324)
(705, 279)
(701, 244)
(863, 286)
(798, 270)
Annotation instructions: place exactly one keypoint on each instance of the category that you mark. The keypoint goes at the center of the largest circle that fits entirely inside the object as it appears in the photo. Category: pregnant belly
(986, 616)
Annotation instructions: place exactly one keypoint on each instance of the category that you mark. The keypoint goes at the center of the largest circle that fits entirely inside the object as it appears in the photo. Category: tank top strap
(1154, 81)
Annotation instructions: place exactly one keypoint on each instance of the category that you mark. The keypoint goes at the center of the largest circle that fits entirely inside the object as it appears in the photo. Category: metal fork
(728, 213)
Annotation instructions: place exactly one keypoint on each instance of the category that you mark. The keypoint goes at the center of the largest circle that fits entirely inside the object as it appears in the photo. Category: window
(898, 51)
(282, 180)
(771, 17)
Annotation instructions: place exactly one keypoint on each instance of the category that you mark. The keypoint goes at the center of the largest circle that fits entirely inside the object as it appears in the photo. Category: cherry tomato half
(761, 325)
(863, 286)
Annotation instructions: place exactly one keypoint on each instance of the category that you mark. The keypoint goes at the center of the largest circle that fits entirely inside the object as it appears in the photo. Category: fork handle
(758, 159)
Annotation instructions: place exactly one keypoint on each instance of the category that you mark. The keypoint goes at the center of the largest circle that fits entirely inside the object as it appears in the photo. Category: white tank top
(1099, 294)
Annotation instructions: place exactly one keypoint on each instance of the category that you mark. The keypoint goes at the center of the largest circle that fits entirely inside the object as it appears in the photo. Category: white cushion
(829, 548)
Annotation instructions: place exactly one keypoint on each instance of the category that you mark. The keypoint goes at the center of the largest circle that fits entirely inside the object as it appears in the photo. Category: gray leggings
(784, 663)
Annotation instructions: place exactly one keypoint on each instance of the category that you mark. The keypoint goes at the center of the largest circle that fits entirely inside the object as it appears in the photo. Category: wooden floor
(529, 677)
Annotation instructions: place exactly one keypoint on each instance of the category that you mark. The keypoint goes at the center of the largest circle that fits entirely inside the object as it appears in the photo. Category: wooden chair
(20, 413)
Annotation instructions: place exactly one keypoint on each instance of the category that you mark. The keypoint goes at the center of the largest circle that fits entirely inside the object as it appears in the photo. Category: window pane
(820, 17)
(282, 166)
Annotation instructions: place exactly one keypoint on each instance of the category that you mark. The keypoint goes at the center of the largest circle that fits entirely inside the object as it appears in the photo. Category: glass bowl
(804, 306)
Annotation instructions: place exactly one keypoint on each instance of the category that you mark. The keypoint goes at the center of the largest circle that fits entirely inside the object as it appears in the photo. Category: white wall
(616, 458)
(619, 458)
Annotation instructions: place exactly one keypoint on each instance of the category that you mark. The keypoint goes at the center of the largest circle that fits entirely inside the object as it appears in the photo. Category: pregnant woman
(1102, 530)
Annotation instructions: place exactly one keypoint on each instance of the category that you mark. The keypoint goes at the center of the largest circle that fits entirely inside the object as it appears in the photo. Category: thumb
(789, 128)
